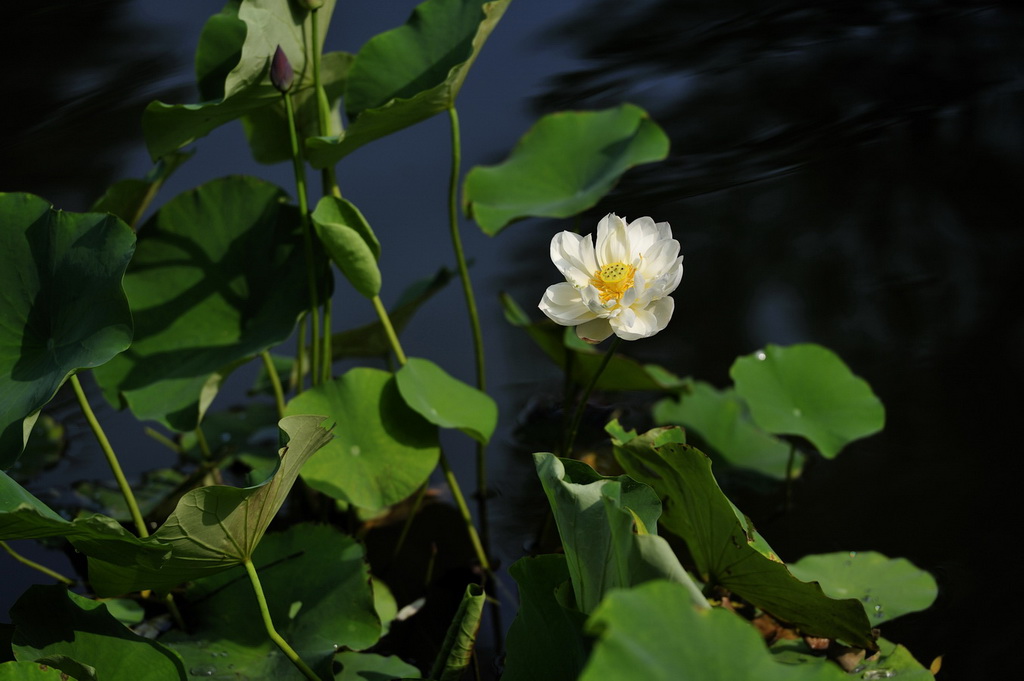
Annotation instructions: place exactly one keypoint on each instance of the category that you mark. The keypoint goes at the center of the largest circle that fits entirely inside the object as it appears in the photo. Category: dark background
(846, 173)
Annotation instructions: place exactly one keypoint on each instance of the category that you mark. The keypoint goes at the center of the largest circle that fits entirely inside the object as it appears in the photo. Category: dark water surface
(843, 173)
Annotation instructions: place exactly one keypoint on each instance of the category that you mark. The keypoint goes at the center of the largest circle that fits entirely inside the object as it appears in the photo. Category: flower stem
(268, 623)
(275, 381)
(474, 316)
(570, 440)
(298, 164)
(36, 566)
(108, 452)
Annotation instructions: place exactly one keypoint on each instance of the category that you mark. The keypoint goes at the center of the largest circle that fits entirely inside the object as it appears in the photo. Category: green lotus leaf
(608, 528)
(723, 543)
(886, 587)
(807, 390)
(546, 639)
(350, 242)
(382, 450)
(62, 307)
(75, 634)
(317, 587)
(563, 165)
(446, 401)
(366, 666)
(32, 671)
(721, 418)
(410, 73)
(232, 72)
(128, 199)
(213, 528)
(652, 632)
(219, 276)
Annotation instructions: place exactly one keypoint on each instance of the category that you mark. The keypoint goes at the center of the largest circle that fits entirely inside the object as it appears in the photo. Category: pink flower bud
(281, 74)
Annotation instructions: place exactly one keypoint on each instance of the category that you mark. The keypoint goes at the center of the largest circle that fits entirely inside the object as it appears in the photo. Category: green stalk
(36, 566)
(297, 379)
(298, 164)
(474, 316)
(275, 381)
(389, 330)
(328, 345)
(570, 441)
(108, 452)
(460, 502)
(162, 439)
(268, 623)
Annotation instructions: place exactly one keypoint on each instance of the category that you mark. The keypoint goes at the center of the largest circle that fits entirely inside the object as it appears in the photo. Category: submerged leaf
(62, 307)
(563, 165)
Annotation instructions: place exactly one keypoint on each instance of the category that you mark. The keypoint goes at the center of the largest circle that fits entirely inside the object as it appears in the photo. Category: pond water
(843, 175)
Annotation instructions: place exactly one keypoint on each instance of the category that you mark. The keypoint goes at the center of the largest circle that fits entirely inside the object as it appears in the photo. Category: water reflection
(844, 173)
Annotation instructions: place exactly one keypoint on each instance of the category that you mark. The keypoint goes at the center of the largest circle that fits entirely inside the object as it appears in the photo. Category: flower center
(613, 280)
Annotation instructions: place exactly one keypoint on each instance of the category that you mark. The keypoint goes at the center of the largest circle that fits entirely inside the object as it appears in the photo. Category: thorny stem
(570, 440)
(268, 623)
(307, 238)
(36, 566)
(108, 452)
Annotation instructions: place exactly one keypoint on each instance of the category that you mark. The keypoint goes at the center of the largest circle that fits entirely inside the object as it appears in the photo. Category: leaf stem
(570, 440)
(460, 502)
(474, 315)
(298, 165)
(268, 623)
(275, 381)
(108, 452)
(389, 330)
(36, 566)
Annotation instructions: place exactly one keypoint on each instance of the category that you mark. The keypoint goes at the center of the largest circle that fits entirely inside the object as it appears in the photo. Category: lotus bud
(281, 74)
(312, 4)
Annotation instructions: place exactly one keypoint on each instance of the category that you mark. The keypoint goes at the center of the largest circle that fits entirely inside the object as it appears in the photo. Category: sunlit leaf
(382, 450)
(721, 543)
(408, 74)
(652, 632)
(721, 418)
(316, 583)
(563, 165)
(32, 671)
(67, 631)
(219, 276)
(350, 242)
(62, 307)
(213, 528)
(446, 401)
(608, 529)
(886, 587)
(232, 71)
(807, 390)
(621, 373)
(546, 639)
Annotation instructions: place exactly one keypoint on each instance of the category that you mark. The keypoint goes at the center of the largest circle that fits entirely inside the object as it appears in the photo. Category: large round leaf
(61, 304)
(563, 165)
(382, 450)
(219, 276)
(445, 400)
(887, 587)
(807, 390)
(410, 73)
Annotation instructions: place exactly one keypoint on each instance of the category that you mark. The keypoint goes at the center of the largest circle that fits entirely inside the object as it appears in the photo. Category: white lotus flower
(622, 286)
